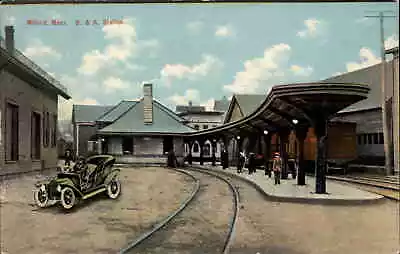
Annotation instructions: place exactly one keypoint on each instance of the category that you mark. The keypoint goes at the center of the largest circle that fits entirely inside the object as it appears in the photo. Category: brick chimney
(148, 103)
(10, 46)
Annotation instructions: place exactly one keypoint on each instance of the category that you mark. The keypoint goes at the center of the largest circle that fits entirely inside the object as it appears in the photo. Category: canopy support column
(320, 163)
(284, 137)
(301, 134)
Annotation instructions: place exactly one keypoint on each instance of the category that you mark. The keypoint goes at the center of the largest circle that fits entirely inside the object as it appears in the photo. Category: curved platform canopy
(287, 106)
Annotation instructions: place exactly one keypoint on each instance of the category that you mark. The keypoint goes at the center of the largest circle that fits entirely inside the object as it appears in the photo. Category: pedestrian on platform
(277, 167)
(251, 163)
(224, 159)
(267, 168)
(241, 162)
(172, 162)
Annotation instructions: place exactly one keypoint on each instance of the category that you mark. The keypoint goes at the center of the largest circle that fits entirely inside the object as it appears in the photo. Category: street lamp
(295, 121)
(238, 137)
(265, 132)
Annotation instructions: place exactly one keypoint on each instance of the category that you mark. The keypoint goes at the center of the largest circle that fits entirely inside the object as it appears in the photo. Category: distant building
(130, 129)
(367, 114)
(28, 111)
(199, 118)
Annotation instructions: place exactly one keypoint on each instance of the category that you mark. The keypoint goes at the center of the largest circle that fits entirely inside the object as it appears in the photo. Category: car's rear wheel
(114, 189)
(68, 198)
(41, 196)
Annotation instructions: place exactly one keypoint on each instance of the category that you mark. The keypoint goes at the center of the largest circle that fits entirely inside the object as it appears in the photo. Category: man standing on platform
(277, 167)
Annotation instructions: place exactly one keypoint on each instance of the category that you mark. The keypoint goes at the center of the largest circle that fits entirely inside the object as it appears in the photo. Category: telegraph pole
(388, 154)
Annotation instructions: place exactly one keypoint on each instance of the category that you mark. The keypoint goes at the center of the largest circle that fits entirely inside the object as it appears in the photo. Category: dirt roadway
(99, 225)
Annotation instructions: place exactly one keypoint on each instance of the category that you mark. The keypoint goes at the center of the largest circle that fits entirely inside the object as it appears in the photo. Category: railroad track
(163, 225)
(388, 187)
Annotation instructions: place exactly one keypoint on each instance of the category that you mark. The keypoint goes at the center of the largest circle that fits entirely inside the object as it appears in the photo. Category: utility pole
(388, 153)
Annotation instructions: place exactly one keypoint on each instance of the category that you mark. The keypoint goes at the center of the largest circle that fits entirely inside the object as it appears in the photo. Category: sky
(195, 52)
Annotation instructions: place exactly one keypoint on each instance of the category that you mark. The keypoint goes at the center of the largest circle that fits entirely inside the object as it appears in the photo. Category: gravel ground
(99, 225)
(202, 227)
(287, 228)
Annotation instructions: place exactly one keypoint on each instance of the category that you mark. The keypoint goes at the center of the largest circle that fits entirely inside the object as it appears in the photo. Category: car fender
(65, 182)
(114, 173)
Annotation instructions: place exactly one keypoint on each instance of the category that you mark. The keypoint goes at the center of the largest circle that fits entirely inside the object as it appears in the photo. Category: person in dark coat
(68, 157)
(241, 162)
(224, 159)
(251, 165)
(172, 162)
(267, 168)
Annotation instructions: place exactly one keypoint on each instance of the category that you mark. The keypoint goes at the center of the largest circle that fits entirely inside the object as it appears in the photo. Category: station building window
(12, 132)
(197, 127)
(35, 136)
(359, 139)
(205, 126)
(381, 139)
(196, 148)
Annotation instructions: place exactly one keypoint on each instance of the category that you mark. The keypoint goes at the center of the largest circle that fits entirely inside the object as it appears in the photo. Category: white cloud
(113, 83)
(301, 71)
(65, 106)
(181, 71)
(367, 58)
(209, 104)
(224, 31)
(311, 28)
(123, 45)
(257, 70)
(189, 95)
(195, 26)
(192, 95)
(37, 50)
(392, 42)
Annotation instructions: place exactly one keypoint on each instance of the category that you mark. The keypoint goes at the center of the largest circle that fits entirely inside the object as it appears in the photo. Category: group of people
(276, 165)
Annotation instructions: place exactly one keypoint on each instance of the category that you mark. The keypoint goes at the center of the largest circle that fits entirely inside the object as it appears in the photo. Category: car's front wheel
(68, 198)
(41, 196)
(114, 189)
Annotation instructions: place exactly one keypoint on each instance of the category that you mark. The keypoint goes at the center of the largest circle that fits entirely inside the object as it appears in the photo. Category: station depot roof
(305, 102)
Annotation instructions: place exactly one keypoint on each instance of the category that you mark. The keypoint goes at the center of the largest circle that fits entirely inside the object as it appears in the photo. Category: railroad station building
(131, 130)
(28, 111)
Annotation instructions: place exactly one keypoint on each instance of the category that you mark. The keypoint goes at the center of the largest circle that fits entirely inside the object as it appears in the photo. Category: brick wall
(28, 99)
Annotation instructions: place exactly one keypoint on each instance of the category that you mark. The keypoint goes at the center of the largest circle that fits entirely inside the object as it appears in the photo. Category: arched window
(207, 149)
(196, 148)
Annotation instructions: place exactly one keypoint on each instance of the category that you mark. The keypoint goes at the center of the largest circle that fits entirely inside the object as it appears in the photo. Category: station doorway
(168, 144)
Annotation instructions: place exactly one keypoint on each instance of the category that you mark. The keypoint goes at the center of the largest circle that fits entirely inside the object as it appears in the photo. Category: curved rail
(232, 225)
(164, 222)
(161, 224)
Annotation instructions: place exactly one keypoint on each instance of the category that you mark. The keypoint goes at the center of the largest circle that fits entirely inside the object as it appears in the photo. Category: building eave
(26, 73)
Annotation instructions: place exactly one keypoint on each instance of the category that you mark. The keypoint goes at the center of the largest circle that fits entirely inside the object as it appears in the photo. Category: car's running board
(102, 189)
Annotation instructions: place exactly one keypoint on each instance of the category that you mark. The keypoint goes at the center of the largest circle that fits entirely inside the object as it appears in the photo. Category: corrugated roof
(164, 121)
(88, 113)
(249, 102)
(370, 76)
(115, 112)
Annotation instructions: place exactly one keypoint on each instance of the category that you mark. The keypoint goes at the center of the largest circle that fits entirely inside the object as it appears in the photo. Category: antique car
(87, 178)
